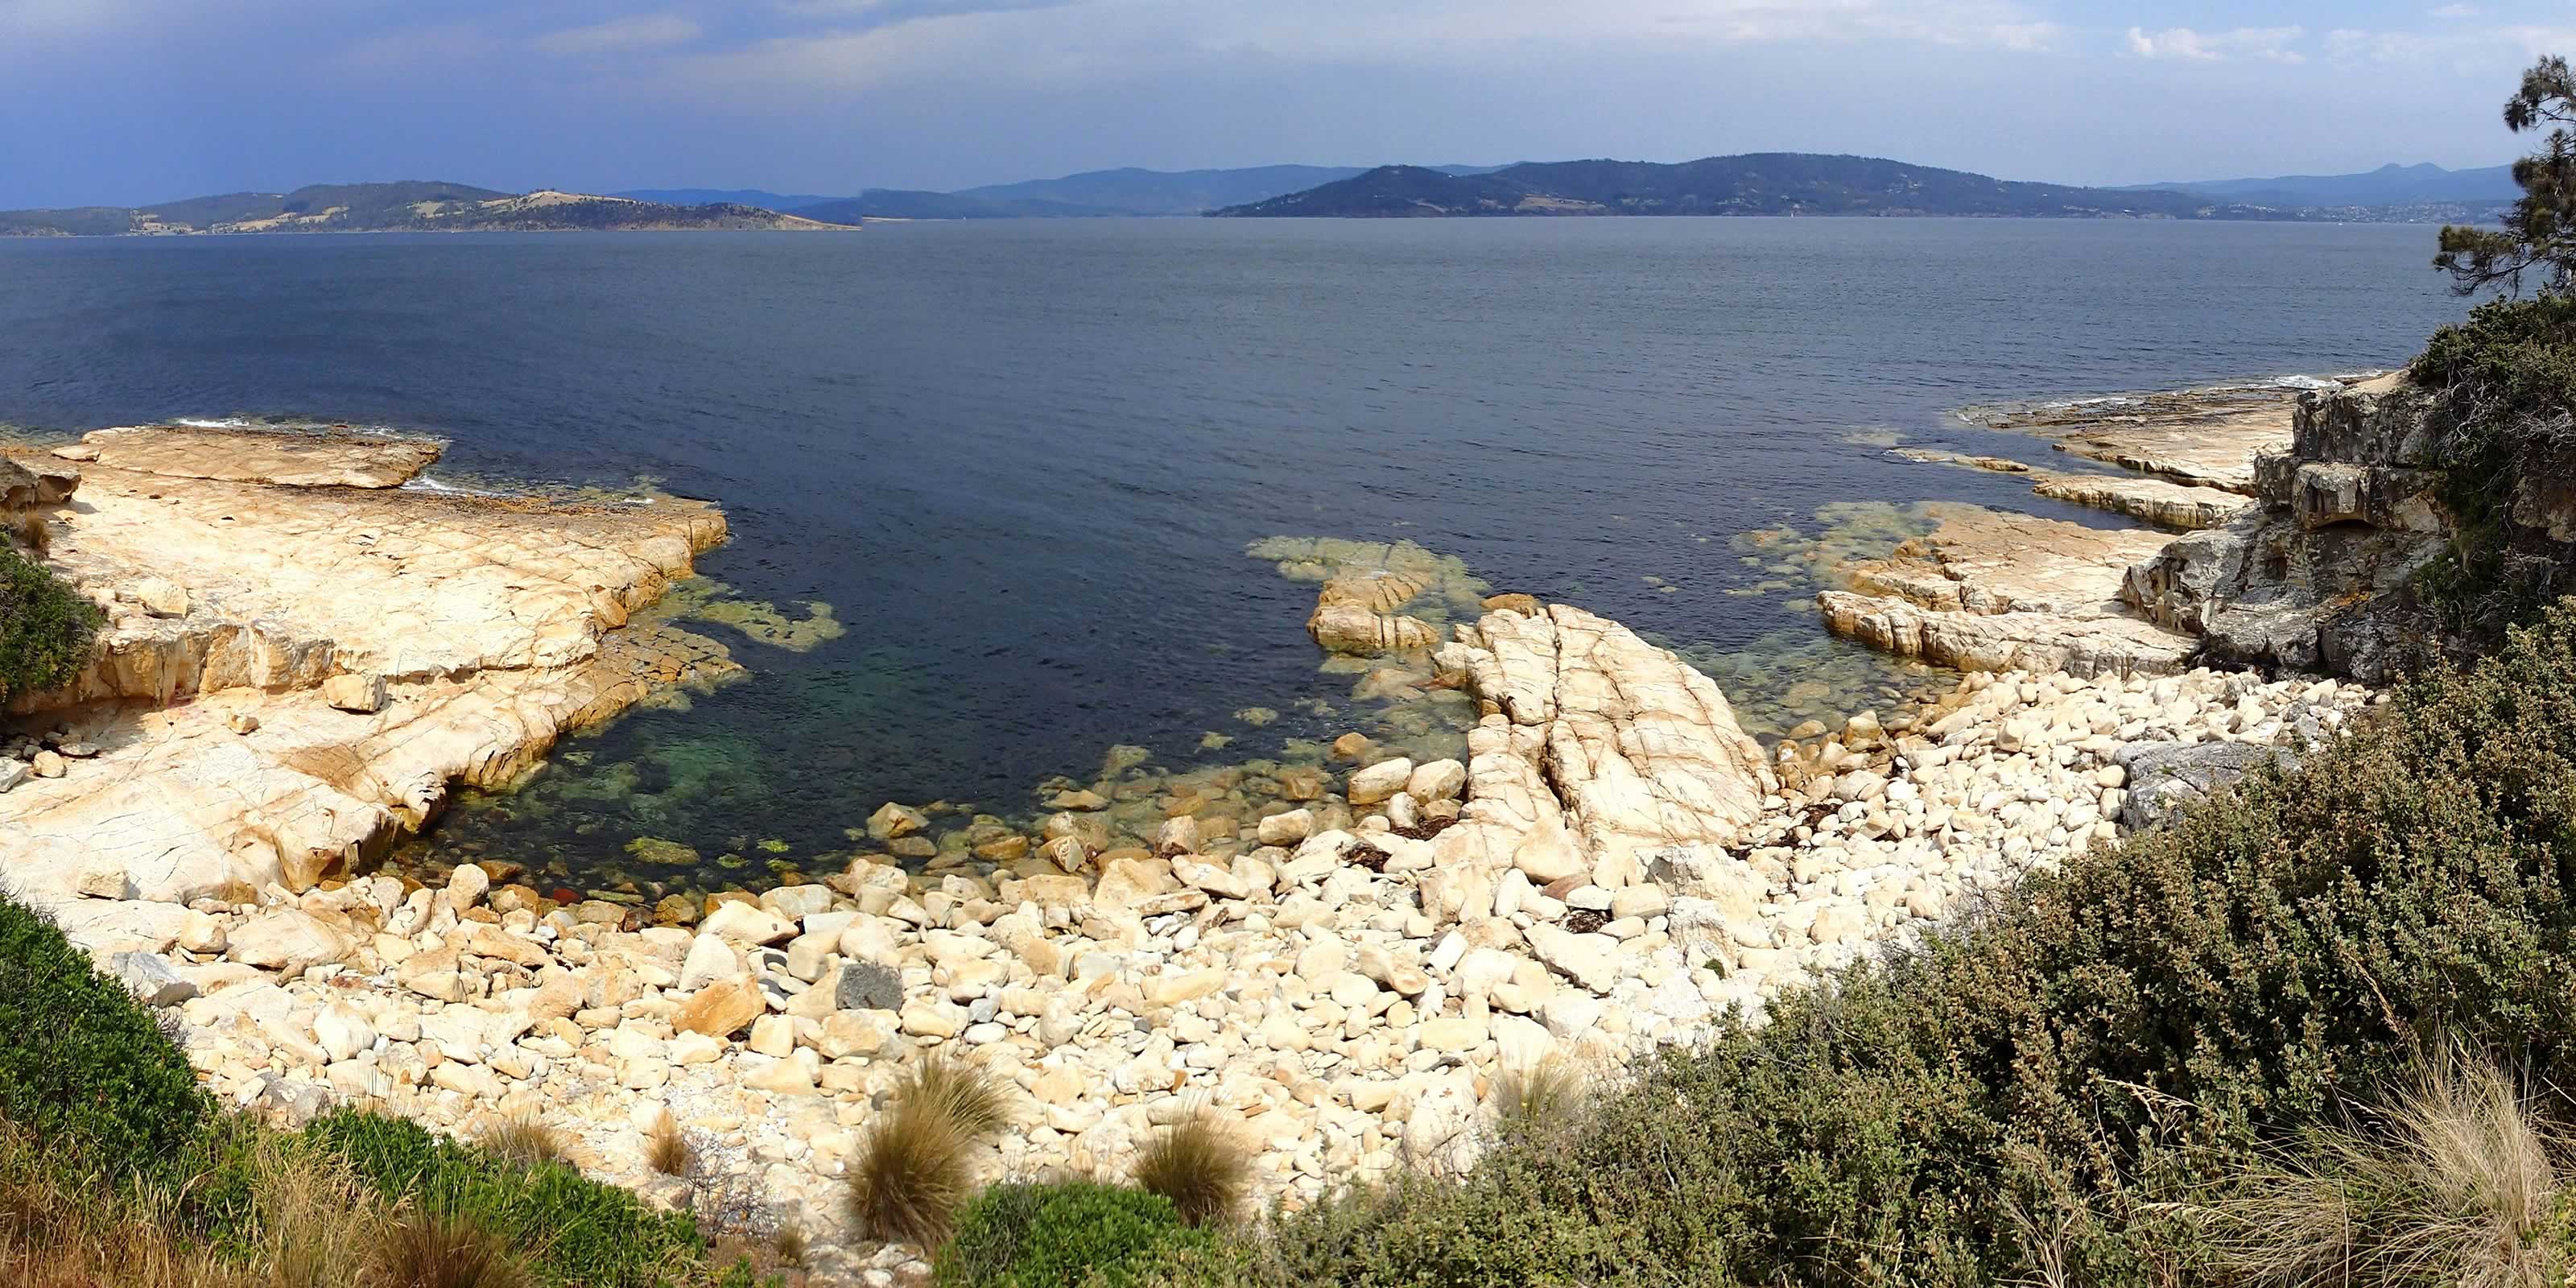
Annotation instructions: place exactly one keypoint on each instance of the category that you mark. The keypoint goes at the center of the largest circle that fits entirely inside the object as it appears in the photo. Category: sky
(124, 102)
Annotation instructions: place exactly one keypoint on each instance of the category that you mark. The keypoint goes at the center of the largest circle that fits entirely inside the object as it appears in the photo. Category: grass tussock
(912, 1173)
(524, 1139)
(1539, 1099)
(1198, 1165)
(33, 536)
(666, 1146)
(2456, 1181)
(428, 1249)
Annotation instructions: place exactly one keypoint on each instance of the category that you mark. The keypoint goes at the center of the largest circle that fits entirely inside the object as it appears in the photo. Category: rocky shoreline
(1339, 963)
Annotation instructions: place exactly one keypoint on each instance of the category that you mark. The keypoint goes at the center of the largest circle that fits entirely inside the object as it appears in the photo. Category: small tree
(2539, 234)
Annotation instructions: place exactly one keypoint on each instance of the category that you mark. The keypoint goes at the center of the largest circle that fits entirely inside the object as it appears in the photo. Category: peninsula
(408, 206)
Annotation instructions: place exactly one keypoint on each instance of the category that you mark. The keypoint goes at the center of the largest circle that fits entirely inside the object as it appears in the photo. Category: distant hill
(788, 202)
(411, 206)
(900, 203)
(1182, 192)
(2389, 185)
(1766, 183)
(1093, 194)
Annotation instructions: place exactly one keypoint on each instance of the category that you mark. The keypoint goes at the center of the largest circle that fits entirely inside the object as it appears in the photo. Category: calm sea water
(1023, 460)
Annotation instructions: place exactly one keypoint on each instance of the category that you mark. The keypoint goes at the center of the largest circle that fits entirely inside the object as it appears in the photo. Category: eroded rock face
(292, 675)
(2319, 574)
(25, 487)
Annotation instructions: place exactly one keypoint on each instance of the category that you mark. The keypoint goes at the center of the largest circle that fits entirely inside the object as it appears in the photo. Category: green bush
(1071, 1234)
(83, 1067)
(576, 1231)
(45, 627)
(2503, 388)
(2035, 1096)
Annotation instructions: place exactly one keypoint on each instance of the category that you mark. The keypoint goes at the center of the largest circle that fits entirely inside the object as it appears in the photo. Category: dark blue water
(1022, 460)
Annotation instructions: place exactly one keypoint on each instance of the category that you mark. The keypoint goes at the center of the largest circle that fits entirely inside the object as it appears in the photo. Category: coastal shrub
(45, 627)
(2041, 1092)
(577, 1231)
(1067, 1234)
(85, 1070)
(2502, 411)
(1199, 1166)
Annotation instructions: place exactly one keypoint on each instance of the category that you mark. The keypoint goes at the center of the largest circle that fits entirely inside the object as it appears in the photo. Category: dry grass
(435, 1250)
(33, 536)
(1199, 1166)
(790, 1244)
(316, 1228)
(2454, 1182)
(966, 1095)
(667, 1148)
(524, 1139)
(911, 1174)
(318, 1222)
(1540, 1099)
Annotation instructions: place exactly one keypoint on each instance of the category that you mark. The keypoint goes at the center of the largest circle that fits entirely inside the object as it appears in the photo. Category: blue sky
(133, 101)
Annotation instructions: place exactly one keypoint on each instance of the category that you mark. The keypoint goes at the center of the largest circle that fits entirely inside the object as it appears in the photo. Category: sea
(1024, 464)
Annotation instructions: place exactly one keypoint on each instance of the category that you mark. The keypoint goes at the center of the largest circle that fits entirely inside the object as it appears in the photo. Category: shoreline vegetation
(2212, 930)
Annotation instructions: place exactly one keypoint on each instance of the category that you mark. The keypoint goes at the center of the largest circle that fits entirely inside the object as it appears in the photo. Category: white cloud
(644, 31)
(876, 42)
(2454, 12)
(2272, 44)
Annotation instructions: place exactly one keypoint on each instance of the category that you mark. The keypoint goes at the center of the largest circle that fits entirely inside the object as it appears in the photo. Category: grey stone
(295, 1103)
(867, 986)
(2166, 778)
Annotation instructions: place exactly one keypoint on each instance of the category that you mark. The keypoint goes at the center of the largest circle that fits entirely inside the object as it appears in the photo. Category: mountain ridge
(2389, 185)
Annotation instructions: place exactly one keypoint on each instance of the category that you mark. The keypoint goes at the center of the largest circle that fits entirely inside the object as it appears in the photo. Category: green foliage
(1073, 1234)
(2503, 411)
(2032, 1096)
(45, 627)
(576, 1231)
(2539, 233)
(83, 1067)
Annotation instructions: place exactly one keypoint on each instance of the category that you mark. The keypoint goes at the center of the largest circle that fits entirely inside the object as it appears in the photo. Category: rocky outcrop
(2206, 438)
(2109, 645)
(2160, 501)
(292, 675)
(2321, 574)
(1376, 597)
(286, 458)
(1989, 590)
(1603, 746)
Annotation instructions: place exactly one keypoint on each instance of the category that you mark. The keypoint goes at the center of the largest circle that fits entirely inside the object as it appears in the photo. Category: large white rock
(710, 959)
(747, 923)
(1379, 781)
